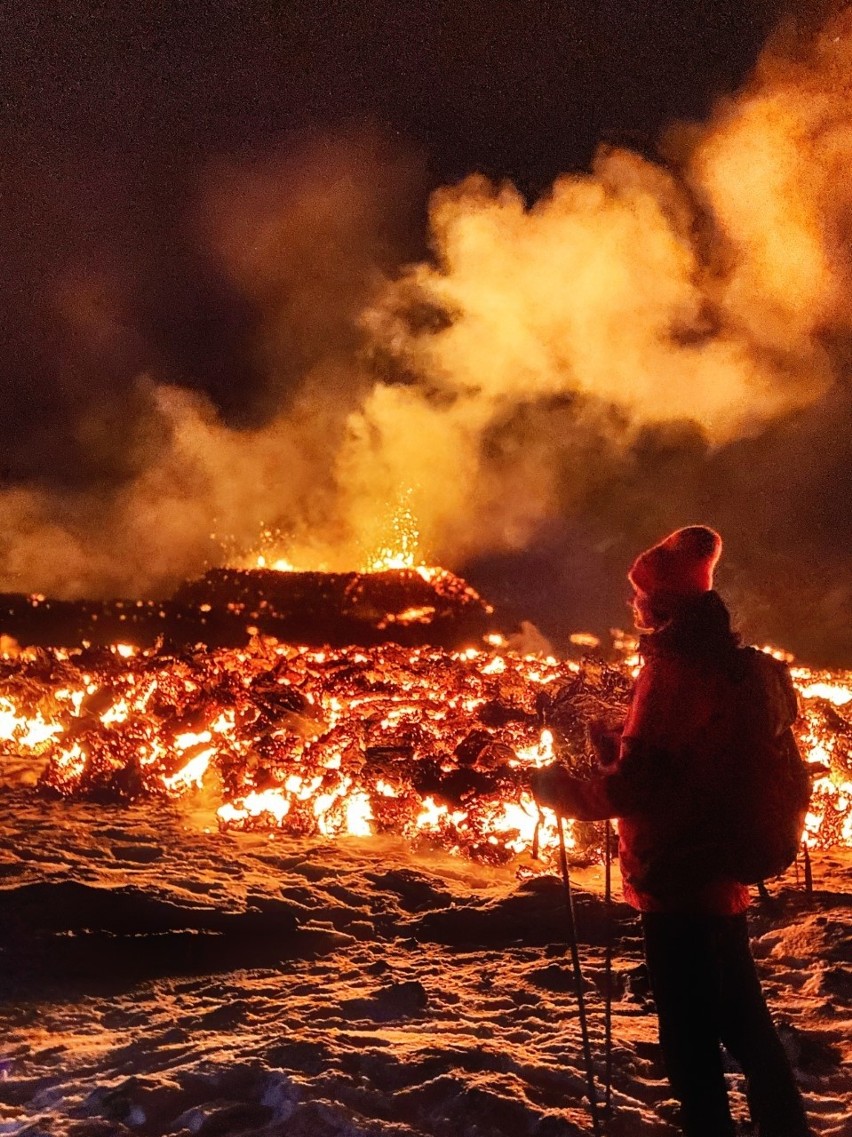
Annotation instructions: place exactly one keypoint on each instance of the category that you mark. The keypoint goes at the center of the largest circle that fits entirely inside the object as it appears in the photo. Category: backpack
(746, 822)
(768, 784)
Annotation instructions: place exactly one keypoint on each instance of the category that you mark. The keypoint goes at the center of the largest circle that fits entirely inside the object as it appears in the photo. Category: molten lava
(421, 742)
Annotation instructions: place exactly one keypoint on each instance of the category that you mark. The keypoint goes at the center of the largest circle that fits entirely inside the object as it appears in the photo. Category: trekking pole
(809, 876)
(578, 980)
(608, 951)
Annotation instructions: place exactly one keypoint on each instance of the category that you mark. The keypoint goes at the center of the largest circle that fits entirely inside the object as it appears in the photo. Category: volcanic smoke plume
(651, 343)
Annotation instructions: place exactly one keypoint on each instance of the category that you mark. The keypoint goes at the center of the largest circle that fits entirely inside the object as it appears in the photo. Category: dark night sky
(523, 90)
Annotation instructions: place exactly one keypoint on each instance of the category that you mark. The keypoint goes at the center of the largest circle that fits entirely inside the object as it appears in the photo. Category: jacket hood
(699, 628)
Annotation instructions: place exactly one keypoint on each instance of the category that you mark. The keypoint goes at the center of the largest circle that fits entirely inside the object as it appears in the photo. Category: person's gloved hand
(551, 787)
(605, 740)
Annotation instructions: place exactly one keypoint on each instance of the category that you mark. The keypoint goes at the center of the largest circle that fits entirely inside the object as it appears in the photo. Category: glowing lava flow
(423, 743)
(825, 736)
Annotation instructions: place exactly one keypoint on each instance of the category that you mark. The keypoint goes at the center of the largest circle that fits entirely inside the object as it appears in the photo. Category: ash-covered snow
(160, 977)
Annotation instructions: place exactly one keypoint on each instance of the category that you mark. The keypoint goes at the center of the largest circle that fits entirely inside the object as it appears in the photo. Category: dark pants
(707, 991)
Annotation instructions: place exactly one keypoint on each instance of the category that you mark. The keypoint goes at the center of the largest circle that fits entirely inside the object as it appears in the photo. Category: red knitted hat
(681, 564)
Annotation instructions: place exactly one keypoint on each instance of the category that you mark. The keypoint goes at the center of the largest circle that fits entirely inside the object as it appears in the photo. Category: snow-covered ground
(161, 977)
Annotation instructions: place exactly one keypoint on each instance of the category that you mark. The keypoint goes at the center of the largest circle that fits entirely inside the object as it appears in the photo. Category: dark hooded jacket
(665, 787)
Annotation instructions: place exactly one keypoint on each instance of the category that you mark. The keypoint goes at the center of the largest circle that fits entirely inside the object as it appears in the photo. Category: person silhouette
(657, 779)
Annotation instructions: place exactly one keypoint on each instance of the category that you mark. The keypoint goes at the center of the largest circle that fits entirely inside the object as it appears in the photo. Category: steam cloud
(650, 344)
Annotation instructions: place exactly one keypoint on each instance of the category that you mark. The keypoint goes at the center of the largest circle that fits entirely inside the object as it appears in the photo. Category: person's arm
(644, 768)
(584, 799)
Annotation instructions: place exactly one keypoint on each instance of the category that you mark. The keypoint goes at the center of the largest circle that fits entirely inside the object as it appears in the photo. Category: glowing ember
(402, 550)
(585, 639)
(422, 615)
(424, 743)
(396, 546)
(27, 733)
(279, 564)
(836, 694)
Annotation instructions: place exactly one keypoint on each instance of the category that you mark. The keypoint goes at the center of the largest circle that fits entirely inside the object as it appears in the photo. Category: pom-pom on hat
(681, 565)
